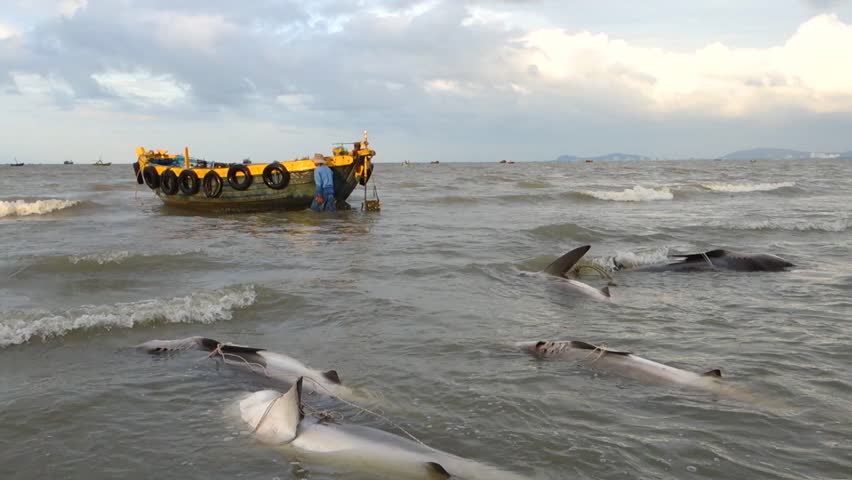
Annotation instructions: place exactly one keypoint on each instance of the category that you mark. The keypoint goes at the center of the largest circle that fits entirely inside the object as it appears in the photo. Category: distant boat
(246, 161)
(101, 163)
(503, 161)
(590, 161)
(16, 163)
(68, 162)
(433, 162)
(406, 163)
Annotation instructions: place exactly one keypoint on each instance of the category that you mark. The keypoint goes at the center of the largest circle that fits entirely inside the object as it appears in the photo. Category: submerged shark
(717, 260)
(637, 368)
(279, 419)
(274, 365)
(563, 265)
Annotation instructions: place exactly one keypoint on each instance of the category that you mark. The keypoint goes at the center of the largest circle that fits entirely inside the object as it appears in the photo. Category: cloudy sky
(469, 80)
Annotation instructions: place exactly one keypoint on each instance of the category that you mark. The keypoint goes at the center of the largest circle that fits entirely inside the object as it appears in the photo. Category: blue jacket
(324, 179)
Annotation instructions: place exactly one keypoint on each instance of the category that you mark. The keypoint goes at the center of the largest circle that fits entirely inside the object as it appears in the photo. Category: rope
(704, 254)
(323, 414)
(600, 350)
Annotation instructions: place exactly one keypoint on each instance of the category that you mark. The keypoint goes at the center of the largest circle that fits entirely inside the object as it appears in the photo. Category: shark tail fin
(277, 420)
(712, 373)
(332, 376)
(563, 264)
(436, 471)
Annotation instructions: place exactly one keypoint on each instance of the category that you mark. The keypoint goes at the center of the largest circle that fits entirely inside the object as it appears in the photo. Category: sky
(448, 80)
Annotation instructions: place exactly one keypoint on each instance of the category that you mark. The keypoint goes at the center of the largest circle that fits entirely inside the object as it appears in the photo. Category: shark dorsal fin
(436, 471)
(702, 257)
(605, 291)
(332, 376)
(274, 416)
(563, 264)
(712, 373)
(588, 346)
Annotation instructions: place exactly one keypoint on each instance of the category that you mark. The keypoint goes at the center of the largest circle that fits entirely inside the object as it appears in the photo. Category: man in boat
(324, 179)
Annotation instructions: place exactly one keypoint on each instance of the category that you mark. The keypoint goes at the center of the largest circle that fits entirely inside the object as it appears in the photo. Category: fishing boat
(182, 181)
(101, 163)
(16, 163)
(68, 162)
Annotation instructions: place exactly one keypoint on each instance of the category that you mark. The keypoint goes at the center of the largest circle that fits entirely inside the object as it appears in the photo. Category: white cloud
(295, 101)
(144, 88)
(67, 8)
(38, 87)
(199, 32)
(808, 71)
(8, 31)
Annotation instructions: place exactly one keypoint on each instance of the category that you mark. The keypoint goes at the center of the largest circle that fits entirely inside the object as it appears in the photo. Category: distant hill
(613, 157)
(781, 154)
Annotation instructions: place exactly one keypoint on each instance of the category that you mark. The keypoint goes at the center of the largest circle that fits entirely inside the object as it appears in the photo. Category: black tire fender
(151, 177)
(188, 182)
(235, 182)
(212, 184)
(139, 179)
(169, 182)
(269, 177)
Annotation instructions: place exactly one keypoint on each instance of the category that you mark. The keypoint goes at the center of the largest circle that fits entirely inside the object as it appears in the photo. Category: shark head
(273, 416)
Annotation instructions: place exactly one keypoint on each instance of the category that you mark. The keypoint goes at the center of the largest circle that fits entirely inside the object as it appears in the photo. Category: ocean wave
(200, 307)
(635, 194)
(562, 231)
(20, 208)
(626, 259)
(746, 187)
(838, 225)
(101, 258)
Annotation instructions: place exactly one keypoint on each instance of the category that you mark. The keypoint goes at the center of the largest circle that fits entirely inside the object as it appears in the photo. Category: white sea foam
(838, 225)
(200, 307)
(101, 258)
(746, 187)
(22, 208)
(635, 194)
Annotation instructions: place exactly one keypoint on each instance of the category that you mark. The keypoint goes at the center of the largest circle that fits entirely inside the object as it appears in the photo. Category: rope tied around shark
(324, 415)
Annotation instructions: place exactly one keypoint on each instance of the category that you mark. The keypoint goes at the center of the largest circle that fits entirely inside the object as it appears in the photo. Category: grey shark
(563, 265)
(717, 260)
(259, 360)
(631, 366)
(278, 419)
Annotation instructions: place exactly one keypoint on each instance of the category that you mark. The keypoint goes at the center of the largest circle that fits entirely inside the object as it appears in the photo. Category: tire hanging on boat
(139, 179)
(151, 177)
(275, 176)
(188, 182)
(169, 182)
(212, 185)
(235, 182)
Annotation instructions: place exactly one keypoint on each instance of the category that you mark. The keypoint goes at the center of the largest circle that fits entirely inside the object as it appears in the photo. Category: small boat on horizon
(16, 163)
(68, 162)
(101, 163)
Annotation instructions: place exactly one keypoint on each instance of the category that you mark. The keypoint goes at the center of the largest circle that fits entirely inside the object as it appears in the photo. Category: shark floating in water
(562, 266)
(717, 260)
(278, 419)
(259, 360)
(641, 369)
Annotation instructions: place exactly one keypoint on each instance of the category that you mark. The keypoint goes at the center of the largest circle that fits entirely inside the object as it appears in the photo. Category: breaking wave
(635, 194)
(200, 307)
(839, 225)
(746, 187)
(20, 208)
(101, 258)
(627, 259)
